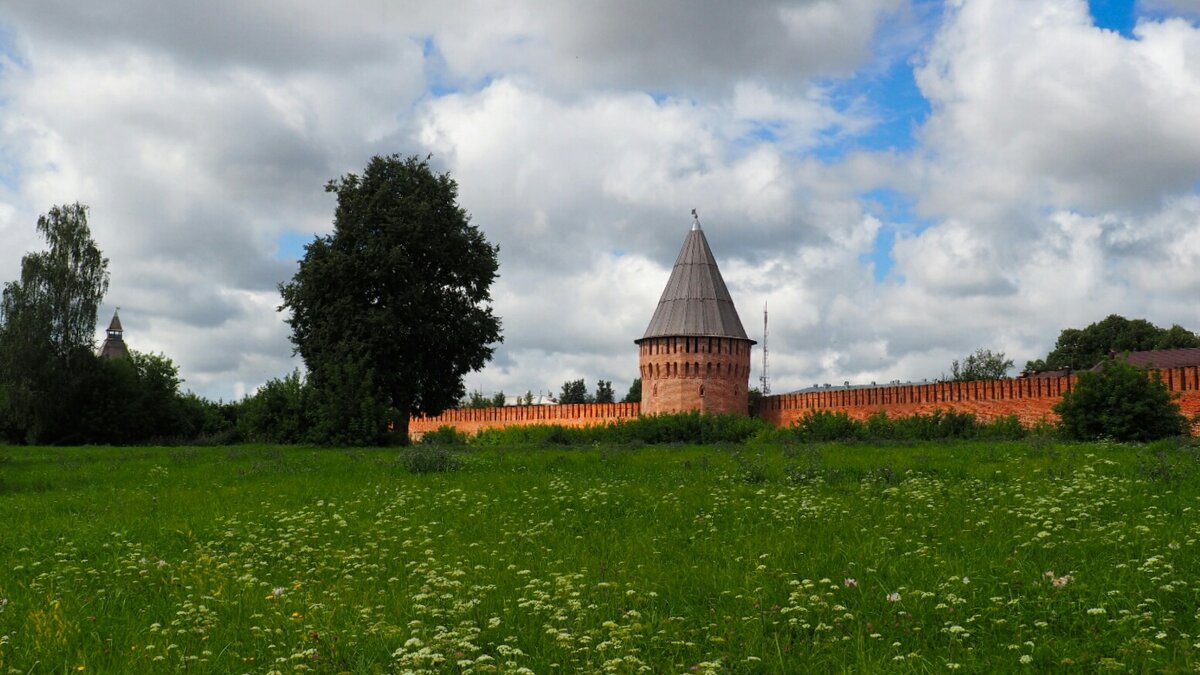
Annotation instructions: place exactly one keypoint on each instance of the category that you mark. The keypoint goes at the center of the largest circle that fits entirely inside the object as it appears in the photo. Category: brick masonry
(709, 374)
(1031, 400)
(471, 420)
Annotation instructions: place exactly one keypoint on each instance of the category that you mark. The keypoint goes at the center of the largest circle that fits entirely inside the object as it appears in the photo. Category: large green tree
(48, 323)
(399, 292)
(1083, 348)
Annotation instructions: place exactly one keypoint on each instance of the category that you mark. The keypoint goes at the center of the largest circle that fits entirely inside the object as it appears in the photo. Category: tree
(401, 286)
(604, 392)
(982, 365)
(527, 399)
(635, 392)
(476, 399)
(1080, 349)
(574, 391)
(499, 400)
(48, 323)
(1120, 402)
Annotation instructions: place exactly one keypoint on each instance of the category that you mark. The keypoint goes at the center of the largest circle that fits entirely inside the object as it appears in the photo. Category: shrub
(419, 459)
(444, 435)
(823, 425)
(1120, 402)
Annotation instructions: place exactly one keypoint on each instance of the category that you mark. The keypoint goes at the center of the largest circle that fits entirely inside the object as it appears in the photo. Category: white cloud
(1054, 178)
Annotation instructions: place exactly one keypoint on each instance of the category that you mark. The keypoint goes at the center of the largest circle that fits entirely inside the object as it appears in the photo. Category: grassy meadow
(980, 556)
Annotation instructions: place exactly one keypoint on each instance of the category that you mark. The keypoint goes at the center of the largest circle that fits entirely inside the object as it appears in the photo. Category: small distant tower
(114, 341)
(695, 354)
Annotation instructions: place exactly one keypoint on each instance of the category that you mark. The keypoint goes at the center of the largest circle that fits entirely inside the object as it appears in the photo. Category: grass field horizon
(979, 556)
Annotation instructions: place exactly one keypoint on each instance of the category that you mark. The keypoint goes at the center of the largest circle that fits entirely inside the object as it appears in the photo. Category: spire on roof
(114, 342)
(696, 300)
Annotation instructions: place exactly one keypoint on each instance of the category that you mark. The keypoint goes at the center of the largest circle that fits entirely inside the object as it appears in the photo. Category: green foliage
(248, 546)
(1081, 349)
(476, 399)
(47, 324)
(420, 459)
(604, 392)
(401, 288)
(346, 406)
(444, 435)
(527, 399)
(499, 400)
(826, 426)
(574, 391)
(753, 399)
(984, 364)
(634, 395)
(1122, 403)
(690, 427)
(277, 412)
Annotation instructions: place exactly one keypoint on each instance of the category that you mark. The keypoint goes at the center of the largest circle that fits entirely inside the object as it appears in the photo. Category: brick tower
(695, 354)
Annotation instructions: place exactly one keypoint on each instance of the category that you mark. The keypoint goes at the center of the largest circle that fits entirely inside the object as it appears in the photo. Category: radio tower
(766, 383)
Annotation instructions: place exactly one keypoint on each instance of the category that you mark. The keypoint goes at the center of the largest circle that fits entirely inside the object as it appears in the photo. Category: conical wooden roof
(695, 301)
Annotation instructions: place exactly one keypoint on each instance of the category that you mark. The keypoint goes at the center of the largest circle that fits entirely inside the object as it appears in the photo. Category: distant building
(695, 354)
(1159, 358)
(114, 341)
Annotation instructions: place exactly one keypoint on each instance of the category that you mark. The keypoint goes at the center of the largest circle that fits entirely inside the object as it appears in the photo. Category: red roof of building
(1164, 358)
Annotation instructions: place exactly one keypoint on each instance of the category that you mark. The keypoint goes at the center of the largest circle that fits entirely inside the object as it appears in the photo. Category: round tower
(695, 354)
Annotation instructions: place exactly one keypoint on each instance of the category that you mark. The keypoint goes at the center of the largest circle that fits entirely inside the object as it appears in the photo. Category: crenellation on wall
(472, 420)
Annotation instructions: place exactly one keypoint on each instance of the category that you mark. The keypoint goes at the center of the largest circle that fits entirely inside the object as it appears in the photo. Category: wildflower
(161, 563)
(1096, 610)
(276, 593)
(849, 582)
(1026, 659)
(966, 580)
(1049, 574)
(1059, 582)
(3, 603)
(893, 597)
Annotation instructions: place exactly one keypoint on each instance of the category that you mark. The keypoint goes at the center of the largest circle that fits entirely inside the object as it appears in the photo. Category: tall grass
(987, 556)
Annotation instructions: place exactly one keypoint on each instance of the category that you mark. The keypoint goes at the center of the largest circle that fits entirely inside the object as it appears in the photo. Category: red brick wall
(470, 420)
(681, 374)
(1030, 400)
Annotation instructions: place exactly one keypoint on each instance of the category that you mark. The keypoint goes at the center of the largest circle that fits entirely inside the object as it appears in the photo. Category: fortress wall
(709, 374)
(1031, 400)
(471, 420)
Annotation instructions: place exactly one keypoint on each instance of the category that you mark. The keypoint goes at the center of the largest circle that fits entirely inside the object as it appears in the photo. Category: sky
(901, 182)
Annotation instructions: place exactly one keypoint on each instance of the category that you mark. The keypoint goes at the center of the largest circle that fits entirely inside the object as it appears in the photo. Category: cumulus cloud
(1053, 181)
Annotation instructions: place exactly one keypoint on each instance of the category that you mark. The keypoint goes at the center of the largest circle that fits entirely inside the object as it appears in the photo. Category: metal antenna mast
(766, 382)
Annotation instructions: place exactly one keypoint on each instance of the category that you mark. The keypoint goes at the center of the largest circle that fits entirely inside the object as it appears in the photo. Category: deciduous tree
(574, 391)
(984, 364)
(401, 286)
(48, 323)
(1082, 348)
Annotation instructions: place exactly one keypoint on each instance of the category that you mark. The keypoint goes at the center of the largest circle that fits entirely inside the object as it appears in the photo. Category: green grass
(743, 559)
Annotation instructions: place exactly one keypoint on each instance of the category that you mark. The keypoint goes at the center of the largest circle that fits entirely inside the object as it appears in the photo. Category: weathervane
(695, 220)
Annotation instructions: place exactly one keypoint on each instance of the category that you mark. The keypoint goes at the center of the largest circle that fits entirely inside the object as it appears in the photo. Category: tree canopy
(984, 364)
(1081, 349)
(574, 391)
(1120, 401)
(48, 324)
(397, 296)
